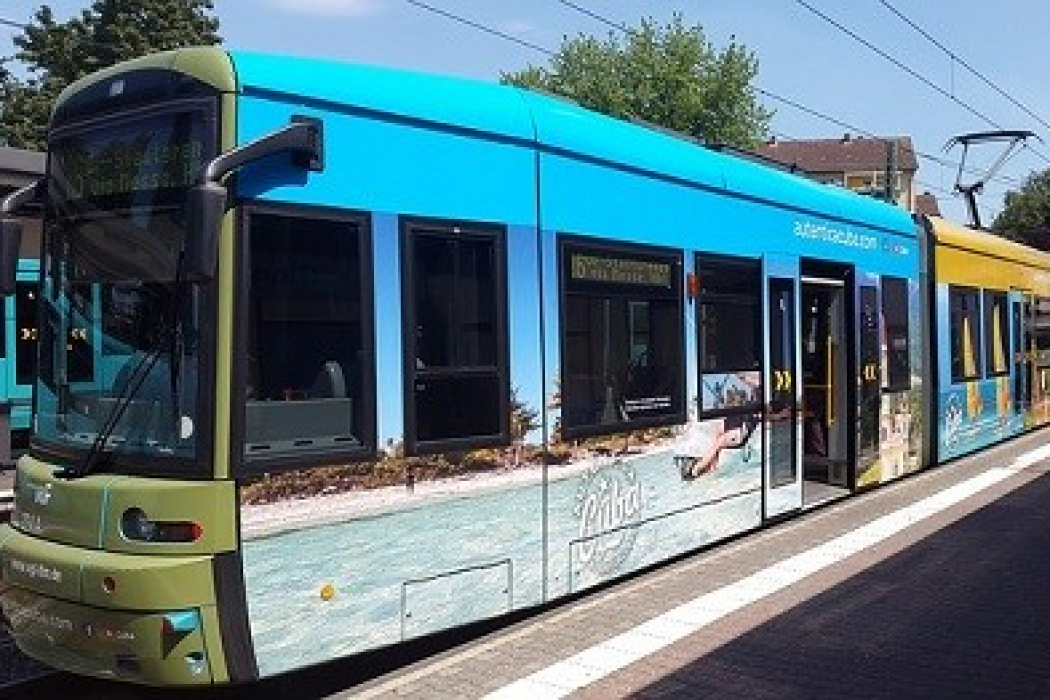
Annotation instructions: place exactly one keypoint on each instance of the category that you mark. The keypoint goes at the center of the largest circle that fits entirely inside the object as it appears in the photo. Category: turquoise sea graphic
(331, 590)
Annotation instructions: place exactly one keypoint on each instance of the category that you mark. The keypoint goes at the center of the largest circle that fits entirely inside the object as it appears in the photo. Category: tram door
(869, 386)
(825, 412)
(783, 482)
(1020, 312)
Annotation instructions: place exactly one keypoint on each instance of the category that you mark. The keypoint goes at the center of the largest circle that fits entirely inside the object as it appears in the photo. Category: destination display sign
(130, 167)
(158, 153)
(592, 267)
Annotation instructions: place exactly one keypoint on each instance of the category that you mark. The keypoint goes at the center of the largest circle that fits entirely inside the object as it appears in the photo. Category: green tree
(523, 419)
(669, 75)
(1026, 215)
(59, 53)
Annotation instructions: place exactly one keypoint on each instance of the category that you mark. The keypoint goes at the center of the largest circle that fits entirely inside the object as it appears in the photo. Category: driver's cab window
(308, 350)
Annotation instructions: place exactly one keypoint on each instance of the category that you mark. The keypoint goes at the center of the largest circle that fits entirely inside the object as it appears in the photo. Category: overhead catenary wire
(608, 22)
(943, 162)
(481, 27)
(908, 69)
(900, 64)
(935, 159)
(938, 160)
(594, 15)
(956, 58)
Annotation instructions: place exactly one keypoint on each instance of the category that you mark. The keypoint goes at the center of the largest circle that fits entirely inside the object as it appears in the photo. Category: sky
(858, 64)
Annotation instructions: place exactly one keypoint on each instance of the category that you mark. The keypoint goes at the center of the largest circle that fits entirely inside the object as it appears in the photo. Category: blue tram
(381, 354)
(18, 333)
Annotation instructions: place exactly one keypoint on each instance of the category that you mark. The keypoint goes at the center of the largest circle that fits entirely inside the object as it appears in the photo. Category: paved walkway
(936, 586)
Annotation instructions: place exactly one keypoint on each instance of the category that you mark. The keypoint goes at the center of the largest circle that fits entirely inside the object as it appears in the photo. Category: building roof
(19, 167)
(846, 154)
(926, 204)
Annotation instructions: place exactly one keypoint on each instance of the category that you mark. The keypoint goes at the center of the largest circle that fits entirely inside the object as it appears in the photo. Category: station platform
(934, 586)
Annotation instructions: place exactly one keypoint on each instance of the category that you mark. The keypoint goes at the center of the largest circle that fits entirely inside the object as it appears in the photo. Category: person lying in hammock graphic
(733, 433)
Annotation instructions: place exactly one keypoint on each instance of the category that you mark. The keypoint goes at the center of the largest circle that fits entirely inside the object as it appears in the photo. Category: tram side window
(1040, 329)
(996, 341)
(308, 353)
(455, 308)
(728, 319)
(964, 330)
(622, 343)
(895, 318)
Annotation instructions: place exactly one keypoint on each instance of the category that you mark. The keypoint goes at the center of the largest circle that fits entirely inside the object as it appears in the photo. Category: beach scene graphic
(962, 431)
(394, 562)
(898, 440)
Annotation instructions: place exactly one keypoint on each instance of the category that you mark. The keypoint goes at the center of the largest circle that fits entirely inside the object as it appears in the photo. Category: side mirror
(207, 206)
(10, 244)
(11, 232)
(303, 138)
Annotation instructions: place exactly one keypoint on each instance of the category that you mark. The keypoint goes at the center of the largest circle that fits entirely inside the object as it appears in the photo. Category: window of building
(860, 181)
(728, 320)
(873, 182)
(308, 358)
(897, 375)
(964, 331)
(996, 330)
(621, 337)
(455, 309)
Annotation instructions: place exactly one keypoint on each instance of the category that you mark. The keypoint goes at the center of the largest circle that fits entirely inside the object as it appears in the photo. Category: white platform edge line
(592, 664)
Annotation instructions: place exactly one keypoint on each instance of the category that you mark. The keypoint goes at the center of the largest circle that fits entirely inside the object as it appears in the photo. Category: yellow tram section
(981, 259)
(75, 591)
(967, 257)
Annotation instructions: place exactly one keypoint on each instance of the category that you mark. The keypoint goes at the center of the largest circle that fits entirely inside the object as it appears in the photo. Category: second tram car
(992, 304)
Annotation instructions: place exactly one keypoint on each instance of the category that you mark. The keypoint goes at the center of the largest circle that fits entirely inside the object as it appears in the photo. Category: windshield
(119, 326)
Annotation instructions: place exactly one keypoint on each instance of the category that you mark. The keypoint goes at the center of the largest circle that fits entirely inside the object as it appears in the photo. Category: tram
(992, 305)
(380, 354)
(18, 331)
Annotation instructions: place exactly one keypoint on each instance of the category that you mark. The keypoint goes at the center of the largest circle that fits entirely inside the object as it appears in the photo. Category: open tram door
(840, 378)
(825, 413)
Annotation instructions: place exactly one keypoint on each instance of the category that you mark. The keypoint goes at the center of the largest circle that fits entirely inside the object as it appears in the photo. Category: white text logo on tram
(609, 506)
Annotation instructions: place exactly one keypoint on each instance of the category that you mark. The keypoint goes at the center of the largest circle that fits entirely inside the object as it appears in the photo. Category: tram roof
(985, 243)
(511, 114)
(557, 125)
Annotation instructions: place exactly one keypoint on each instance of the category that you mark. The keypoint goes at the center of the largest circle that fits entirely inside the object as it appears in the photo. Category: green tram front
(107, 569)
